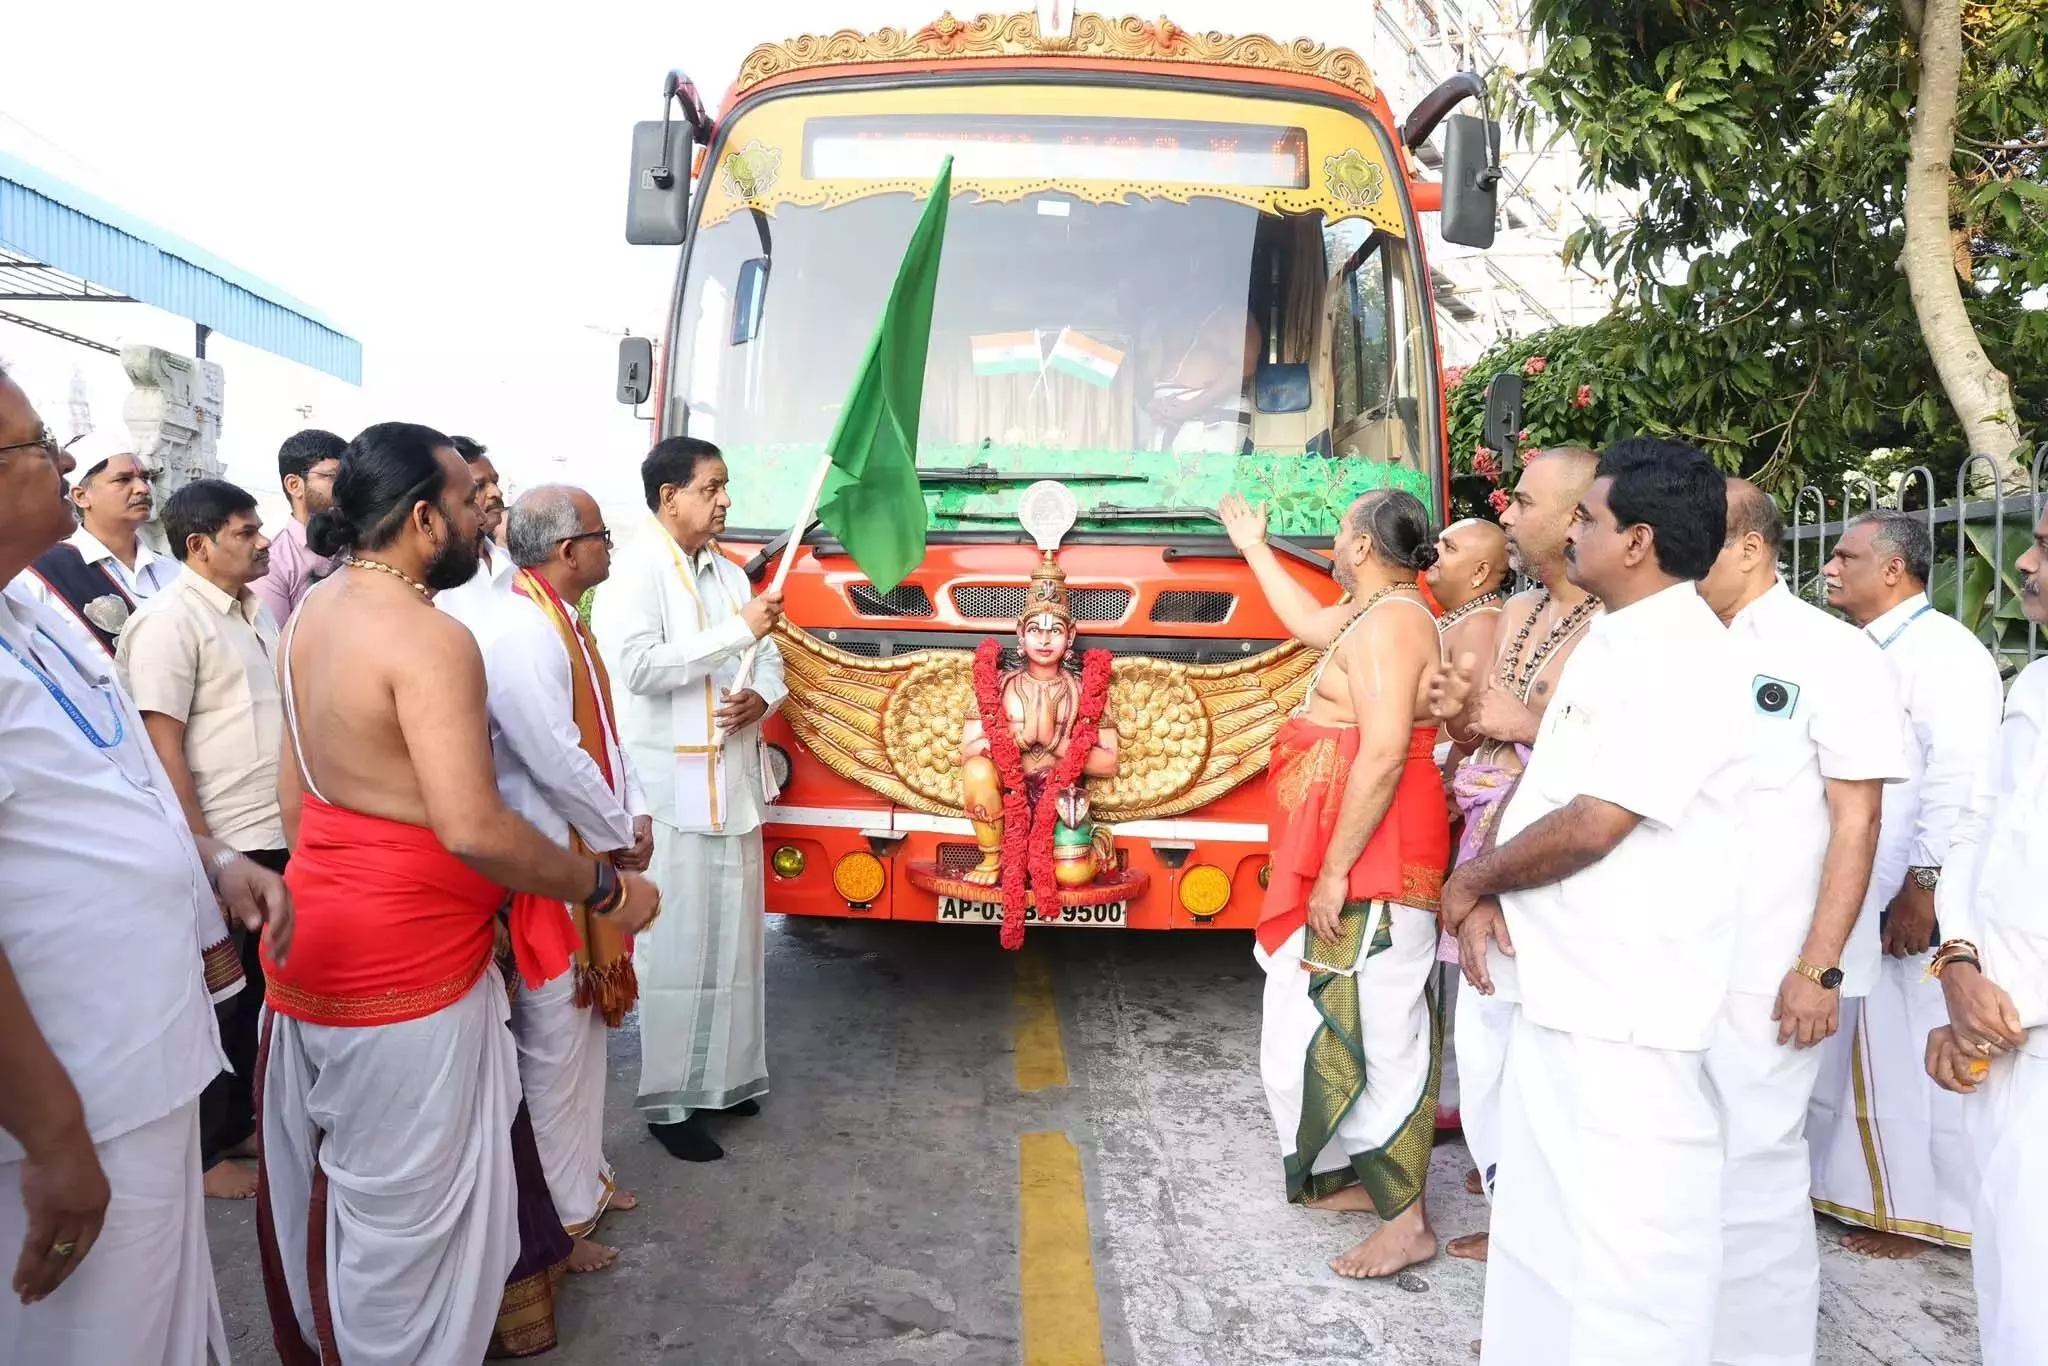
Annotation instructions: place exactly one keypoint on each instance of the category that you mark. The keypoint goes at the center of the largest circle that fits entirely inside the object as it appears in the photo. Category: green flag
(871, 500)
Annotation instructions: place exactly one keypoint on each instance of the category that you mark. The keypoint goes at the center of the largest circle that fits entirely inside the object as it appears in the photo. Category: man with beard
(1993, 972)
(107, 1038)
(1492, 736)
(494, 571)
(674, 623)
(390, 1079)
(197, 660)
(96, 577)
(555, 742)
(1611, 884)
(1889, 1152)
(1347, 935)
(1825, 735)
(306, 463)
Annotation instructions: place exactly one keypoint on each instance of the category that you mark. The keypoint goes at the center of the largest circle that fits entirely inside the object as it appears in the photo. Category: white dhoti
(408, 1123)
(703, 1019)
(562, 1072)
(1770, 1260)
(2007, 1120)
(1351, 1062)
(1889, 1151)
(1606, 1247)
(1485, 1026)
(144, 1296)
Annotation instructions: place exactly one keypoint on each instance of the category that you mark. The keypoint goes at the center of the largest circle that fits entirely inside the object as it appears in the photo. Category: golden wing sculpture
(1189, 732)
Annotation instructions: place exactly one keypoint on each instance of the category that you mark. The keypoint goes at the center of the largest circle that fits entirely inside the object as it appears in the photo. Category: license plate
(954, 910)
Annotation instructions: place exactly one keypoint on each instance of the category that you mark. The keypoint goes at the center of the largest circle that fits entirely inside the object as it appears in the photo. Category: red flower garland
(1027, 828)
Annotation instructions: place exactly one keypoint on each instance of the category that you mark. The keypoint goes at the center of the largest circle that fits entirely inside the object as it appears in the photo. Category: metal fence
(1976, 540)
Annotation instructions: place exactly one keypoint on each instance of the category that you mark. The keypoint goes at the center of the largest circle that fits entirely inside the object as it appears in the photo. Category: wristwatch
(1926, 879)
(1828, 979)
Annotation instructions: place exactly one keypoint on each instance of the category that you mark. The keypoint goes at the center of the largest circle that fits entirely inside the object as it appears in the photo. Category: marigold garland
(1027, 826)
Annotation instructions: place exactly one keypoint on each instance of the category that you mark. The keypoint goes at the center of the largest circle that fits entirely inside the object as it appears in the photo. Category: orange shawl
(603, 955)
(1404, 860)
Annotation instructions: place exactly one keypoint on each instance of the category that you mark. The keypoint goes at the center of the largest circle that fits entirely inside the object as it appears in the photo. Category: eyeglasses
(601, 534)
(47, 442)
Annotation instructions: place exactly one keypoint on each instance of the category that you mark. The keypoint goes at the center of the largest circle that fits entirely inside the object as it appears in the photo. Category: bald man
(1471, 566)
(1824, 735)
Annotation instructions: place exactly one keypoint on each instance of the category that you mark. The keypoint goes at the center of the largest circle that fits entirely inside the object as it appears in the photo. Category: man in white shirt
(197, 660)
(1994, 977)
(1613, 887)
(97, 575)
(495, 569)
(674, 622)
(1889, 1152)
(106, 1033)
(555, 744)
(1825, 735)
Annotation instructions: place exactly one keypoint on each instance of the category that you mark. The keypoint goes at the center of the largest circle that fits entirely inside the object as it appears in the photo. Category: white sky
(442, 178)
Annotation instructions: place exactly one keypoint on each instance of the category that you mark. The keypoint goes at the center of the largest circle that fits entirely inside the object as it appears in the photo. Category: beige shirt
(201, 657)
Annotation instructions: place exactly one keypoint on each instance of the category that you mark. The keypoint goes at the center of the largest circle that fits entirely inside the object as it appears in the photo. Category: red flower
(1485, 463)
(1522, 437)
(1583, 398)
(1499, 500)
(1535, 365)
(1454, 375)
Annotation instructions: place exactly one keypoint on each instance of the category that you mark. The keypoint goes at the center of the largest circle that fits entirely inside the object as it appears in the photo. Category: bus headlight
(1265, 875)
(1204, 891)
(858, 877)
(778, 766)
(788, 861)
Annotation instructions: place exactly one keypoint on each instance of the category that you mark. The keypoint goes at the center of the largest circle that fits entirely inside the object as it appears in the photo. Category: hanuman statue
(1039, 701)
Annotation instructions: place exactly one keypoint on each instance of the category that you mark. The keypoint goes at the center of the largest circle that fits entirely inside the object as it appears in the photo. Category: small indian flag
(1007, 353)
(1083, 357)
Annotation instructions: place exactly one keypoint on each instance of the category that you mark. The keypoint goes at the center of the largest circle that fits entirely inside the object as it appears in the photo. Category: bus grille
(1193, 607)
(1005, 601)
(904, 600)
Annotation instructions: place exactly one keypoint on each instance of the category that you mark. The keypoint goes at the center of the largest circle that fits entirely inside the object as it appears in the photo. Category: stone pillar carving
(173, 415)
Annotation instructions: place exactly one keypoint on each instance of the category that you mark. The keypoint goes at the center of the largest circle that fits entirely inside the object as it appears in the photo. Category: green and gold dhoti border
(1335, 1072)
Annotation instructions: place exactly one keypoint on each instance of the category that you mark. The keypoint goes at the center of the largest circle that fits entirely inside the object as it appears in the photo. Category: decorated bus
(1178, 264)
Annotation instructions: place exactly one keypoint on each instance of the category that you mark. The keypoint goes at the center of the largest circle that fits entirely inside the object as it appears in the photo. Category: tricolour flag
(1083, 357)
(1006, 353)
(871, 499)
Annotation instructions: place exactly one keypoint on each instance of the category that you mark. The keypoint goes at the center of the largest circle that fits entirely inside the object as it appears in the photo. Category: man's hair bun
(1425, 557)
(328, 533)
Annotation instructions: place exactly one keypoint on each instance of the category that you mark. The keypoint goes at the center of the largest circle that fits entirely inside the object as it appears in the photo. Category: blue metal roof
(83, 235)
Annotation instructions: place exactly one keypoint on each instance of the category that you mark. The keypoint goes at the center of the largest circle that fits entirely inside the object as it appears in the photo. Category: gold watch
(1829, 979)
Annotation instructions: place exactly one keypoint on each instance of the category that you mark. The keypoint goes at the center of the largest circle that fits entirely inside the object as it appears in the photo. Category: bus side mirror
(636, 370)
(658, 200)
(1504, 417)
(1471, 180)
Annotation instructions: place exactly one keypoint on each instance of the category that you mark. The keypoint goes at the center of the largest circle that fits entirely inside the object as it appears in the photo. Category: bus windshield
(1155, 352)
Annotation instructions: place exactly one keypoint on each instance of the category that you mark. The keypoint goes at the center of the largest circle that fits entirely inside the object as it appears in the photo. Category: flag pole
(796, 539)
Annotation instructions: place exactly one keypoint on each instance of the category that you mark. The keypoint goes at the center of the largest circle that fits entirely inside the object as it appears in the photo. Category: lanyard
(1900, 629)
(63, 700)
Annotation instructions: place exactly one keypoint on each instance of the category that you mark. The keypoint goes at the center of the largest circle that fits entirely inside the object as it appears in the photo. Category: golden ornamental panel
(1093, 35)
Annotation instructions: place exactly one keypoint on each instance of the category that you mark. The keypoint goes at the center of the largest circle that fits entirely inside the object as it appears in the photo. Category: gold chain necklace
(1330, 653)
(398, 574)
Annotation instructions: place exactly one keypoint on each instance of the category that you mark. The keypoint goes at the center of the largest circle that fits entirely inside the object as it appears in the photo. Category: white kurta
(408, 1123)
(1837, 719)
(669, 624)
(545, 775)
(1992, 895)
(1623, 969)
(1888, 1146)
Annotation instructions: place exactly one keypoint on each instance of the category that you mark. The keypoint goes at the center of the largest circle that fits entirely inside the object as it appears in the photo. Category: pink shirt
(293, 570)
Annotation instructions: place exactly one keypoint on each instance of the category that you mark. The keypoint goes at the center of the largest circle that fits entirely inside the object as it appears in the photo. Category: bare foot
(1473, 1185)
(1890, 1247)
(624, 1200)
(1469, 1247)
(225, 1180)
(589, 1256)
(1393, 1247)
(1351, 1199)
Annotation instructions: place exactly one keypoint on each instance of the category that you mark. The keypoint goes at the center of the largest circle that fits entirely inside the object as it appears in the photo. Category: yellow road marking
(1041, 1057)
(1062, 1321)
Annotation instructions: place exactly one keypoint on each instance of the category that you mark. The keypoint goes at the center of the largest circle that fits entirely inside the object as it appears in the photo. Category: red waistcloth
(1405, 858)
(389, 926)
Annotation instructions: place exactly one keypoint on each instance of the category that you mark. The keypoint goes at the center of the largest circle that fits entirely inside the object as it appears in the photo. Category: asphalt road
(1055, 1158)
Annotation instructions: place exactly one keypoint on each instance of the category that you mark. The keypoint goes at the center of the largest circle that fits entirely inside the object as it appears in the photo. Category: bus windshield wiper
(988, 474)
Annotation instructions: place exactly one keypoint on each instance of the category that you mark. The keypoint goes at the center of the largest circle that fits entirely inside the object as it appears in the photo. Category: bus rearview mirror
(1471, 180)
(1504, 417)
(658, 196)
(636, 370)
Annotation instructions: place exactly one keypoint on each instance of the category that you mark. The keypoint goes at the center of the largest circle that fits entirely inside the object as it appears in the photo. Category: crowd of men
(1740, 893)
(1742, 897)
(373, 773)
